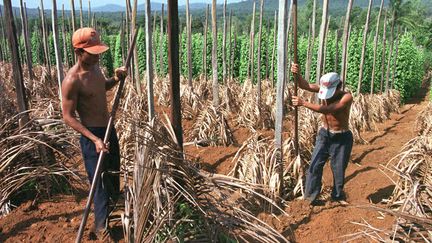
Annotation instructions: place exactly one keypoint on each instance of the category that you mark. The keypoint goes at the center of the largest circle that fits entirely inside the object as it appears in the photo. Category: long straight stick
(376, 47)
(363, 52)
(295, 57)
(106, 138)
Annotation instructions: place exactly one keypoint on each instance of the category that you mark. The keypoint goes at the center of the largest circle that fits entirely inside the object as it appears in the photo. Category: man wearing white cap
(334, 139)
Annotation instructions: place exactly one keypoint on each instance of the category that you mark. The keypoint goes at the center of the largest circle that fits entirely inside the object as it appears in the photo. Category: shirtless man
(84, 90)
(334, 139)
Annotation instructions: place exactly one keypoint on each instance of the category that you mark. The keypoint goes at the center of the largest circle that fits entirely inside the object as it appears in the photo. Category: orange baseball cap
(89, 40)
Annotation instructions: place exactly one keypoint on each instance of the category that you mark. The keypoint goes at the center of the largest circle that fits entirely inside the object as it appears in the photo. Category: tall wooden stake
(205, 43)
(395, 58)
(149, 63)
(161, 41)
(189, 44)
(224, 38)
(65, 48)
(281, 63)
(135, 54)
(324, 20)
(363, 53)
(230, 47)
(252, 45)
(345, 41)
(173, 66)
(81, 15)
(45, 38)
(59, 64)
(311, 43)
(16, 63)
(27, 45)
(387, 87)
(295, 57)
(214, 57)
(376, 47)
(383, 52)
(259, 53)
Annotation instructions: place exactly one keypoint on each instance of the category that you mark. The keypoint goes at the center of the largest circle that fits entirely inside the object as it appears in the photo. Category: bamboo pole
(173, 65)
(161, 41)
(59, 64)
(205, 43)
(311, 44)
(149, 64)
(383, 52)
(81, 15)
(259, 53)
(363, 52)
(224, 38)
(376, 46)
(189, 44)
(274, 48)
(214, 57)
(345, 42)
(45, 38)
(281, 63)
(27, 45)
(324, 20)
(16, 63)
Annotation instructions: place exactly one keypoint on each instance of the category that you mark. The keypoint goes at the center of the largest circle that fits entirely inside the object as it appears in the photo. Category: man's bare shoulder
(347, 97)
(71, 78)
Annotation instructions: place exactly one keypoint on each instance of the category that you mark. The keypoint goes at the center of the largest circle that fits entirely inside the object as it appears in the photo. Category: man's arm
(325, 109)
(69, 105)
(119, 73)
(302, 83)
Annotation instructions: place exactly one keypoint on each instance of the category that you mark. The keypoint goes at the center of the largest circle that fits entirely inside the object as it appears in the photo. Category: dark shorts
(108, 188)
(337, 147)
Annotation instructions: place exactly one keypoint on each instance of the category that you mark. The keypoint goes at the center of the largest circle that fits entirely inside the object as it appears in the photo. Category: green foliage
(107, 59)
(118, 57)
(141, 49)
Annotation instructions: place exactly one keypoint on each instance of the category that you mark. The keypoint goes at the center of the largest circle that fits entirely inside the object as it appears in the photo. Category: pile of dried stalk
(411, 201)
(37, 154)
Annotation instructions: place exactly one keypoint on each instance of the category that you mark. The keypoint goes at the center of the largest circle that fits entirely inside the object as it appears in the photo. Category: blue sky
(96, 3)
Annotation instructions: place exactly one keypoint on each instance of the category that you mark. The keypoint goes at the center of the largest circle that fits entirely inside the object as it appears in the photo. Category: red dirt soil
(58, 219)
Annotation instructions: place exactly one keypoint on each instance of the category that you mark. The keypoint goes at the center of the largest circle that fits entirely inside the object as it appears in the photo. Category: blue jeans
(108, 186)
(336, 146)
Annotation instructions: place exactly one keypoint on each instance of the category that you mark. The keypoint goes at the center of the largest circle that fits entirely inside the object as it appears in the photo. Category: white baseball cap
(328, 85)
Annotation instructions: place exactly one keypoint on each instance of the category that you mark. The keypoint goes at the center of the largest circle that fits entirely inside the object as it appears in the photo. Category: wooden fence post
(149, 63)
(383, 52)
(45, 38)
(224, 37)
(189, 44)
(345, 42)
(161, 41)
(311, 44)
(27, 45)
(205, 43)
(59, 64)
(259, 53)
(65, 47)
(324, 20)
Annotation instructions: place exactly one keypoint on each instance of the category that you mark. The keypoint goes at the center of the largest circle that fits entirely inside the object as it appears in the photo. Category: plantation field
(57, 219)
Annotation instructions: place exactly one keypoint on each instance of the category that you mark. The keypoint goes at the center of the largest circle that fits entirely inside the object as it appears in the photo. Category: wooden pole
(345, 42)
(45, 38)
(387, 87)
(252, 45)
(267, 65)
(81, 15)
(161, 41)
(230, 48)
(281, 63)
(259, 53)
(214, 57)
(135, 53)
(27, 45)
(383, 52)
(174, 74)
(89, 14)
(154, 43)
(274, 48)
(16, 63)
(233, 56)
(59, 64)
(395, 59)
(149, 63)
(224, 39)
(189, 44)
(363, 52)
(295, 57)
(205, 43)
(65, 48)
(325, 46)
(336, 64)
(324, 20)
(376, 46)
(347, 54)
(3, 47)
(73, 15)
(311, 44)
